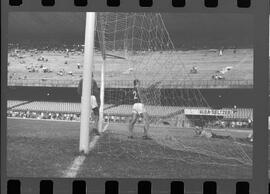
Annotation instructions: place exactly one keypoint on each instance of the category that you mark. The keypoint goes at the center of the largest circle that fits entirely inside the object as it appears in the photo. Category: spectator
(250, 123)
(221, 51)
(194, 70)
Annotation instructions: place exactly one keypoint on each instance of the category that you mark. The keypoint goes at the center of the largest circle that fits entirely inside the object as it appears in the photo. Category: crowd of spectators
(40, 46)
(122, 119)
(44, 115)
(60, 116)
(20, 52)
(244, 123)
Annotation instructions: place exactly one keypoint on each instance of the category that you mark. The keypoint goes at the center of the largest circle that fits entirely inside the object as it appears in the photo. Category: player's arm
(125, 93)
(95, 87)
(154, 85)
(96, 91)
(145, 93)
(79, 89)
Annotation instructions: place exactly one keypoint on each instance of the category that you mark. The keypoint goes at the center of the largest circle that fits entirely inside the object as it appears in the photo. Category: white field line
(75, 166)
(93, 143)
(105, 127)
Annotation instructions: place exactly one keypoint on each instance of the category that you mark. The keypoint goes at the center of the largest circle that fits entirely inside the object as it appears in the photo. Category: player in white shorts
(138, 110)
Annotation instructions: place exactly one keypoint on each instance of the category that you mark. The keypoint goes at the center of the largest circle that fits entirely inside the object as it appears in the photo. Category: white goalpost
(87, 81)
(103, 55)
(101, 112)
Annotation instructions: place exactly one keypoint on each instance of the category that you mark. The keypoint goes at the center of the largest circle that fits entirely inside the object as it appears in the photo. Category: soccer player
(138, 110)
(95, 102)
(221, 51)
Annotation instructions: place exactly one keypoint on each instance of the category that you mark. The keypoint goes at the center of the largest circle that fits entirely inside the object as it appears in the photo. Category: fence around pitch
(204, 84)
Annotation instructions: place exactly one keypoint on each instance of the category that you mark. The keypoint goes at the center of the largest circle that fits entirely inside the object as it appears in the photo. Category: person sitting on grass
(208, 133)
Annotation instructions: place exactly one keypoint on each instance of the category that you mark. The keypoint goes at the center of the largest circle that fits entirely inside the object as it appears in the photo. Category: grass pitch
(37, 148)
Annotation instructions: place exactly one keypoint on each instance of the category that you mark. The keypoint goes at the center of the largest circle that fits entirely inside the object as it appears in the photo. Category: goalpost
(87, 81)
(103, 55)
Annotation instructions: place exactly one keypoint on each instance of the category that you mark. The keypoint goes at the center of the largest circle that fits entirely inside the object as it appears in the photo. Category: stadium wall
(217, 98)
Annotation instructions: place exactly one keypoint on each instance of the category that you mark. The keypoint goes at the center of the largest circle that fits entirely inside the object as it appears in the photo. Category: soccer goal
(128, 46)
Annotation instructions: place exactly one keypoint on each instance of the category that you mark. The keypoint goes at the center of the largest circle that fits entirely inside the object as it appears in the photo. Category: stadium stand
(71, 111)
(50, 107)
(68, 107)
(196, 83)
(61, 107)
(154, 111)
(240, 113)
(13, 103)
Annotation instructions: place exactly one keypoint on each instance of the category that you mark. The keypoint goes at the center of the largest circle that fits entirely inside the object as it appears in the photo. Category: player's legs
(132, 123)
(142, 111)
(146, 124)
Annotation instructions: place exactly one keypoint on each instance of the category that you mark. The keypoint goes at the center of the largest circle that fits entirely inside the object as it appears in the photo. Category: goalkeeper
(209, 134)
(95, 102)
(138, 110)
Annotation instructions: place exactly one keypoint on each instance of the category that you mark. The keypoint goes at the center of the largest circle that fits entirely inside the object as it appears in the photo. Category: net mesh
(138, 46)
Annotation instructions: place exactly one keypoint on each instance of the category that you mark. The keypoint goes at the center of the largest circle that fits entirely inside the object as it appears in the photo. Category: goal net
(138, 46)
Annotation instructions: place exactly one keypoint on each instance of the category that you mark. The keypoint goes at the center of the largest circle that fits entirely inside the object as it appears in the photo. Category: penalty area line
(76, 164)
(105, 127)
(74, 168)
